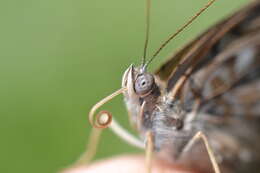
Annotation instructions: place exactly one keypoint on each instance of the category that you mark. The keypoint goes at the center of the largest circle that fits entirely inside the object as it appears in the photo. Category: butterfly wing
(220, 70)
(225, 59)
(172, 70)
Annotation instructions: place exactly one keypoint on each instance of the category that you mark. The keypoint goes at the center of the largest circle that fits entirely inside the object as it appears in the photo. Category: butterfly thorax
(153, 109)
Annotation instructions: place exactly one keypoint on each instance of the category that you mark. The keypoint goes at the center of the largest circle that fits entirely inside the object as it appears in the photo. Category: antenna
(147, 15)
(180, 30)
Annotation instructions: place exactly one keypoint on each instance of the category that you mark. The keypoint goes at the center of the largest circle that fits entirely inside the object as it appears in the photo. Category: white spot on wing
(245, 58)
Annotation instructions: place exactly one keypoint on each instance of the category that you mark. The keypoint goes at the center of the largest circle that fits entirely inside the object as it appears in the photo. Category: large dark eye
(143, 84)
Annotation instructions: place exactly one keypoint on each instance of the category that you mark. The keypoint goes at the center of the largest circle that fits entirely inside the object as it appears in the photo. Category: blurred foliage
(59, 57)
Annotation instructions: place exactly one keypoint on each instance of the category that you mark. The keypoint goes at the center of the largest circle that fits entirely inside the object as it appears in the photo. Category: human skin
(126, 164)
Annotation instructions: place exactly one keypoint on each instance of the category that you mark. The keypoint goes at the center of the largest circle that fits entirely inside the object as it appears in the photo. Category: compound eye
(144, 84)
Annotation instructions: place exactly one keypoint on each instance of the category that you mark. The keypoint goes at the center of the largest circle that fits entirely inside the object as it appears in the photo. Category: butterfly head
(138, 81)
(141, 93)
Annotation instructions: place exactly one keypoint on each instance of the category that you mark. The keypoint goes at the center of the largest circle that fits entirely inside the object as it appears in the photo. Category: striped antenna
(148, 7)
(180, 30)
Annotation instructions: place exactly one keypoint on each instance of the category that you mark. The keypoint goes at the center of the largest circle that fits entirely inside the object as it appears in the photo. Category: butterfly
(201, 108)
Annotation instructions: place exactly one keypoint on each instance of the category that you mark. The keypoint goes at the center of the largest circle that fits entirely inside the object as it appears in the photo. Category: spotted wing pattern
(220, 73)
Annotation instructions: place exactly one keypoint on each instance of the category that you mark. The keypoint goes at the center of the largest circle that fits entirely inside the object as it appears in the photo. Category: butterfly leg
(91, 149)
(149, 152)
(196, 137)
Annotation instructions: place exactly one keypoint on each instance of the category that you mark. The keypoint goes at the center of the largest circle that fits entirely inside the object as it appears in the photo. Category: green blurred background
(59, 57)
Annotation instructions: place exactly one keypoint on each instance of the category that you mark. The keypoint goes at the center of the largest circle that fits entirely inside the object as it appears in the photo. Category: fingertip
(126, 164)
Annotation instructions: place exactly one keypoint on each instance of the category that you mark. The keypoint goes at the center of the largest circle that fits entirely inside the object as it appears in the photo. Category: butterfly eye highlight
(144, 84)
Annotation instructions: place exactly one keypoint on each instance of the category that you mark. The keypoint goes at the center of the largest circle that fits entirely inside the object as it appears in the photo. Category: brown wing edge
(167, 72)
